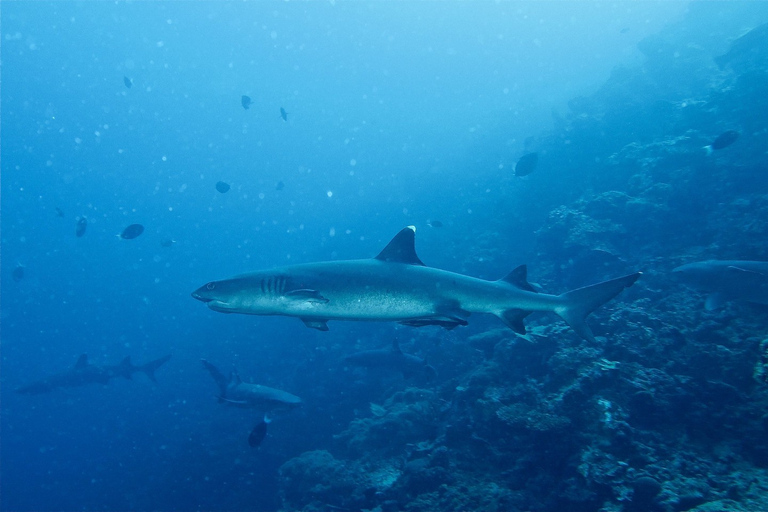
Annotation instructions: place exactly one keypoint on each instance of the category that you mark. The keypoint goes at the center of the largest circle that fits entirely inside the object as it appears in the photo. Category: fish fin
(513, 318)
(219, 377)
(446, 322)
(306, 295)
(754, 273)
(149, 368)
(579, 303)
(402, 248)
(316, 323)
(82, 361)
(519, 279)
(714, 301)
(233, 402)
(396, 346)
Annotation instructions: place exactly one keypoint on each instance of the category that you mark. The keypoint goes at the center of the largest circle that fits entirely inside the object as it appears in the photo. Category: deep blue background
(398, 113)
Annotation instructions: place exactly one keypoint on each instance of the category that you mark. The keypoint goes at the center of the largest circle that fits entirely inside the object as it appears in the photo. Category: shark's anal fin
(316, 323)
(402, 248)
(307, 295)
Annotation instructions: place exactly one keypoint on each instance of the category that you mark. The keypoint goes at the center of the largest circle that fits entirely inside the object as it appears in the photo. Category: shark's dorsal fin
(396, 346)
(519, 279)
(402, 248)
(82, 361)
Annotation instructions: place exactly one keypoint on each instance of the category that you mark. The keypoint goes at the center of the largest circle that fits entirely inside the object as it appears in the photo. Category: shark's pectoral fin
(714, 301)
(446, 322)
(316, 323)
(306, 295)
(233, 402)
(513, 318)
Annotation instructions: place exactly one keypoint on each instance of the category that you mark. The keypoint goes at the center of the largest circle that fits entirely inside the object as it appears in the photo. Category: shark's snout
(199, 296)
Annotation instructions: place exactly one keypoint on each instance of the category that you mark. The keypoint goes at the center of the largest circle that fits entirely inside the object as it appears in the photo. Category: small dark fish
(434, 224)
(127, 82)
(280, 185)
(82, 223)
(222, 187)
(258, 433)
(246, 102)
(18, 273)
(283, 114)
(59, 212)
(527, 164)
(132, 231)
(723, 140)
(168, 242)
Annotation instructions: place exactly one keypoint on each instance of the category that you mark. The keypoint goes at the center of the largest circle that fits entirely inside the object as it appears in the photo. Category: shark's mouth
(218, 305)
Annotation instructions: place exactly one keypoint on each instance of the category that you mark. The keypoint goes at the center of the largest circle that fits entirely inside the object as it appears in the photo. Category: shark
(84, 373)
(234, 392)
(726, 280)
(397, 286)
(392, 358)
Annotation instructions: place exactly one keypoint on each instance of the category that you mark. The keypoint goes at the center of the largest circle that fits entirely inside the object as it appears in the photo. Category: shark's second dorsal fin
(519, 279)
(82, 361)
(402, 248)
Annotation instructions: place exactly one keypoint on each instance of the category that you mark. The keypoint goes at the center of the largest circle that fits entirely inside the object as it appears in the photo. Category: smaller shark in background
(392, 359)
(233, 391)
(84, 373)
(726, 280)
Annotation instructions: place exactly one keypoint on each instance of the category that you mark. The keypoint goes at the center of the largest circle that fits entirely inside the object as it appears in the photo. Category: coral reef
(666, 411)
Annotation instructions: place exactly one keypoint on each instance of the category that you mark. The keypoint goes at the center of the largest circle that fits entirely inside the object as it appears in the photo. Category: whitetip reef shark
(396, 286)
(726, 280)
(84, 373)
(233, 391)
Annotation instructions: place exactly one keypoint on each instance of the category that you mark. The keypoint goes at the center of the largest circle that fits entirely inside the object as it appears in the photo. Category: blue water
(398, 113)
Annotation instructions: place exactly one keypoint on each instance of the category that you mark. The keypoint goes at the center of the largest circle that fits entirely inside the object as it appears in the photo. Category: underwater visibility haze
(538, 230)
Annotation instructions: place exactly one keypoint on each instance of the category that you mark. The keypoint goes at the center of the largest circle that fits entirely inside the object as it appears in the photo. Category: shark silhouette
(84, 373)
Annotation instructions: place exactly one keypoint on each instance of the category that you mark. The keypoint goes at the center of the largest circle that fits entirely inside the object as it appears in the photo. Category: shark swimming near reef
(84, 373)
(726, 280)
(392, 358)
(396, 286)
(233, 391)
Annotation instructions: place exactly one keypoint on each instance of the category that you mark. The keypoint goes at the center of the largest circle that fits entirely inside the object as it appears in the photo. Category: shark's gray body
(392, 359)
(397, 286)
(84, 373)
(233, 391)
(728, 280)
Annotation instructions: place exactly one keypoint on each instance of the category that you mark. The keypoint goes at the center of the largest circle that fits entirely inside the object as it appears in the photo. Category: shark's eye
(210, 286)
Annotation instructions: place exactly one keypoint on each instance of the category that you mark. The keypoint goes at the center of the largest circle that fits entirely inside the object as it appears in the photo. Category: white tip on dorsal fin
(402, 248)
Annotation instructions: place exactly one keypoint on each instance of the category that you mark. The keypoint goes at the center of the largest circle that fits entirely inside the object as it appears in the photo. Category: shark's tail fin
(219, 377)
(579, 303)
(149, 368)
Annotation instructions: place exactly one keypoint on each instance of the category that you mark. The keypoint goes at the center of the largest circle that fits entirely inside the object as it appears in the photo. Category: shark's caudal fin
(149, 368)
(219, 377)
(579, 303)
